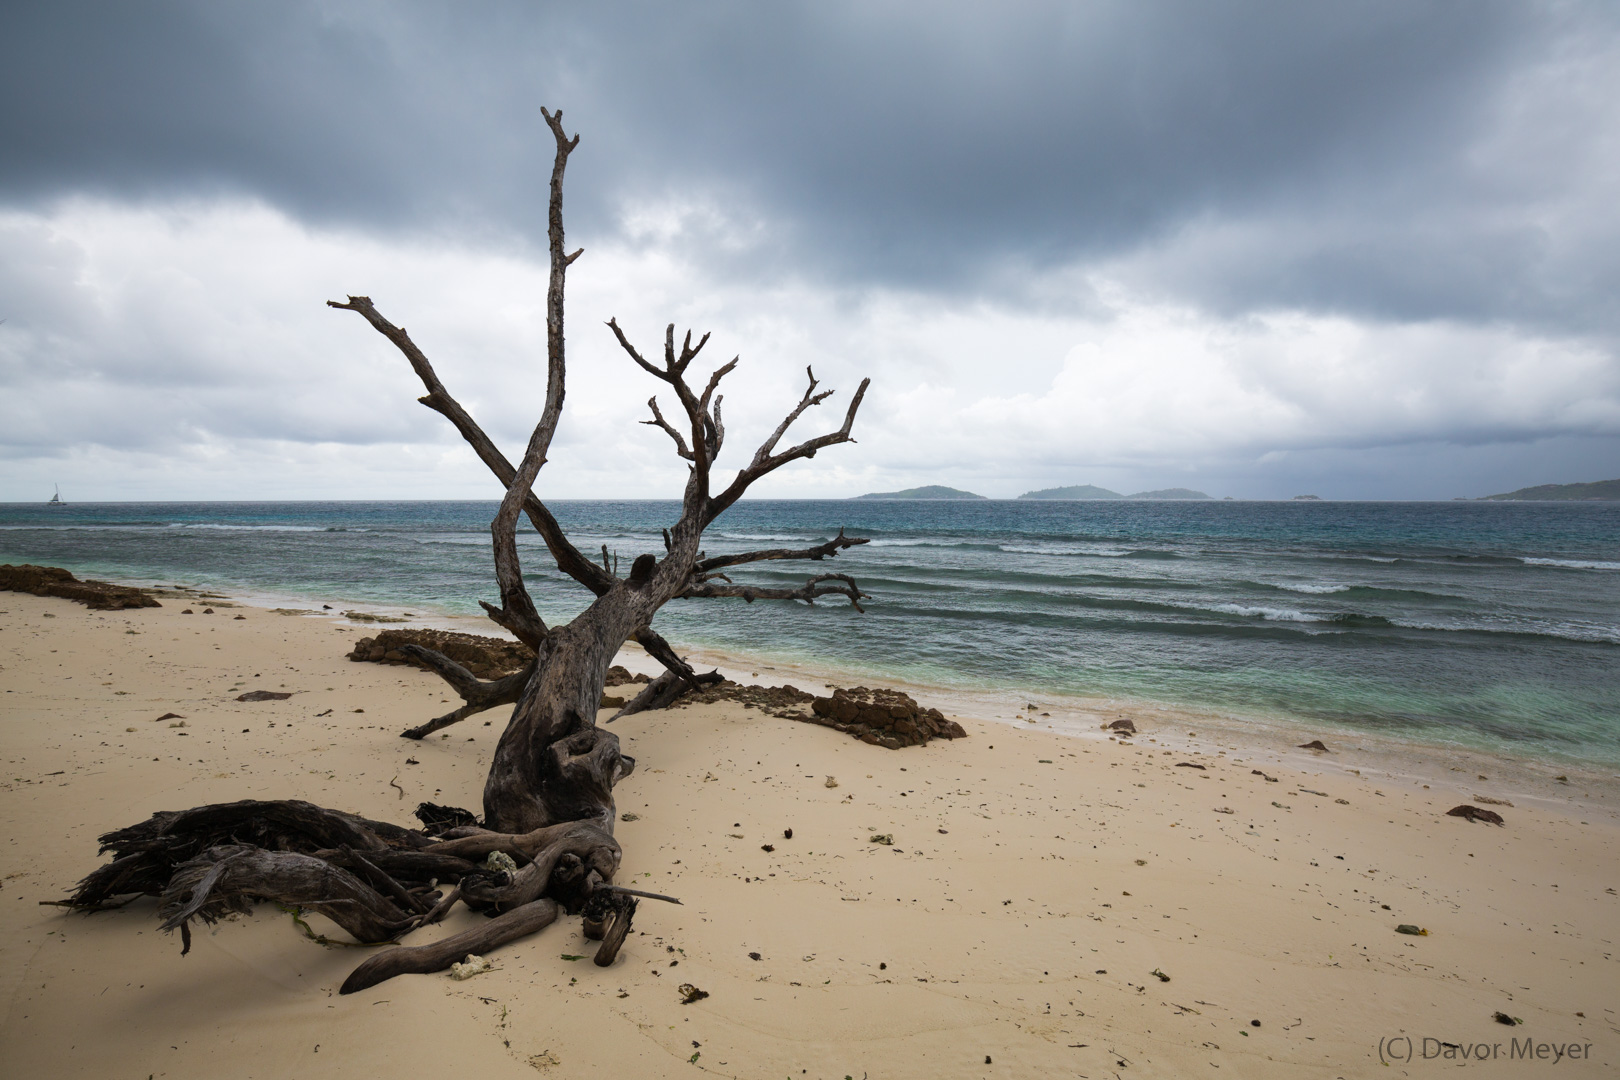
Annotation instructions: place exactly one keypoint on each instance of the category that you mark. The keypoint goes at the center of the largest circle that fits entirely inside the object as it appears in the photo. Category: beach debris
(473, 965)
(241, 616)
(169, 716)
(1309, 791)
(886, 839)
(1161, 976)
(1224, 810)
(767, 848)
(263, 695)
(1189, 765)
(412, 761)
(1414, 931)
(755, 956)
(366, 616)
(187, 611)
(1562, 779)
(1342, 802)
(787, 834)
(1268, 779)
(1488, 801)
(485, 657)
(1510, 1021)
(879, 717)
(500, 861)
(1315, 744)
(1474, 813)
(690, 993)
(55, 581)
(629, 815)
(208, 611)
(1121, 725)
(831, 782)
(1279, 805)
(572, 956)
(1254, 1023)
(1141, 862)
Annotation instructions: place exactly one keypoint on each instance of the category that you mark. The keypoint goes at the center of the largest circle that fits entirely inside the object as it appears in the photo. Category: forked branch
(820, 551)
(569, 558)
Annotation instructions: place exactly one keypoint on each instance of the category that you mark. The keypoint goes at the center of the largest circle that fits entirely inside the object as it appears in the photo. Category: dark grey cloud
(920, 145)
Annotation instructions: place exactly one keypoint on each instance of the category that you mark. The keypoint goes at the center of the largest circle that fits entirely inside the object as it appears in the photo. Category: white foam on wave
(925, 543)
(250, 528)
(1254, 611)
(1065, 549)
(1573, 564)
(1586, 633)
(756, 538)
(1270, 613)
(1313, 590)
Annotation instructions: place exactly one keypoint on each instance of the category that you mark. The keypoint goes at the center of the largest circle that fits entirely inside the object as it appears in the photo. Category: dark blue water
(1495, 625)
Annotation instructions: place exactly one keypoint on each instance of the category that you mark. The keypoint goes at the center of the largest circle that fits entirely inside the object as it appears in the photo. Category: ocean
(1487, 626)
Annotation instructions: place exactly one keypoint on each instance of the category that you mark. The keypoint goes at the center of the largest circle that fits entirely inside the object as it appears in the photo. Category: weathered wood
(548, 798)
(424, 959)
(479, 695)
(229, 877)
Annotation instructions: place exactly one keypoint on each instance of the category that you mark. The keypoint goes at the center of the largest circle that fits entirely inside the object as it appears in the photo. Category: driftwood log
(544, 844)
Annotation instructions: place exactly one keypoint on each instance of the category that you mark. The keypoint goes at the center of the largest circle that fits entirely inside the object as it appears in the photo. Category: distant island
(1081, 492)
(1601, 490)
(932, 491)
(1078, 491)
(1170, 493)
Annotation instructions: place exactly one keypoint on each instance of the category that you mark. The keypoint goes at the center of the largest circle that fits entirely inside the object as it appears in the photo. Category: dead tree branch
(808, 592)
(478, 694)
(821, 551)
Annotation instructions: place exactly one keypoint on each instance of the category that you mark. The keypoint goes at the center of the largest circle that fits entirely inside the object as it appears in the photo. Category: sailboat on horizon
(56, 499)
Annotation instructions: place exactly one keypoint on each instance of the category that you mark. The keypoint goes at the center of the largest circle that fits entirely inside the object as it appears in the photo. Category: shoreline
(1271, 736)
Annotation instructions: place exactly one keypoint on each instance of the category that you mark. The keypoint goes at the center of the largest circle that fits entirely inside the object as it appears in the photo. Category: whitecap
(246, 528)
(1252, 612)
(1573, 564)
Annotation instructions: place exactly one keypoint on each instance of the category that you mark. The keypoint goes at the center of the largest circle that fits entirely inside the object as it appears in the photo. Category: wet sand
(1037, 879)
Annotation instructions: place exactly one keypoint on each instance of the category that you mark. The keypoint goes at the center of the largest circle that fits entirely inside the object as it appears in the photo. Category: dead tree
(545, 843)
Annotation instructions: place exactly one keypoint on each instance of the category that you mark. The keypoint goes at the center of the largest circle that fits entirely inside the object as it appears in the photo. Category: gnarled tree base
(377, 881)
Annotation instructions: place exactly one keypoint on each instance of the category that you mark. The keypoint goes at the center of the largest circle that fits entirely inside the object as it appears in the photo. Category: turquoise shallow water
(1489, 625)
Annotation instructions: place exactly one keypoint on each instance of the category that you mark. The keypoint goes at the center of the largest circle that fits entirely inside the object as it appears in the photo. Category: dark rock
(619, 676)
(1315, 744)
(1122, 725)
(485, 657)
(54, 581)
(263, 695)
(1476, 813)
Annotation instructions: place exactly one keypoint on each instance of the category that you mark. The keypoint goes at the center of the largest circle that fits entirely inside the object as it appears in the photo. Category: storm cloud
(1249, 245)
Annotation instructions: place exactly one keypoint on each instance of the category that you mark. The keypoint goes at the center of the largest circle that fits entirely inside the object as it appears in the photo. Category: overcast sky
(1364, 250)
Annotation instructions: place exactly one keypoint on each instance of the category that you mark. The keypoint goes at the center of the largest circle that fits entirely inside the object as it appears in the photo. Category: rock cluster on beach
(54, 581)
(485, 657)
(882, 717)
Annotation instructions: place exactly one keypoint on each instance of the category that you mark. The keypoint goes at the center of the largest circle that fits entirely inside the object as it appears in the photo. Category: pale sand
(1030, 892)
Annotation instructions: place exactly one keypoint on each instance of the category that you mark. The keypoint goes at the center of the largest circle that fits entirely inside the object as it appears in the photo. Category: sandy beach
(1053, 902)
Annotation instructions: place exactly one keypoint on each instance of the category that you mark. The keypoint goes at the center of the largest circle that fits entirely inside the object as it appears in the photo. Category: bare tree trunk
(546, 841)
